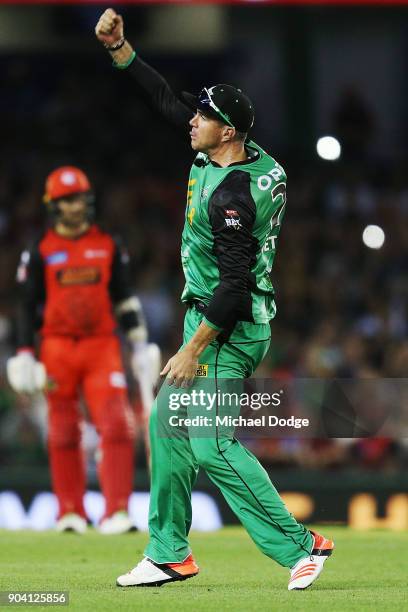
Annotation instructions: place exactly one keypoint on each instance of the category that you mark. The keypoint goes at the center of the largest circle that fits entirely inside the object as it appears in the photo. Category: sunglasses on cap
(205, 99)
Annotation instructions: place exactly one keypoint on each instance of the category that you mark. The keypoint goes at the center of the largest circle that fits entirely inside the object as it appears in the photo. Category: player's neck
(228, 153)
(71, 232)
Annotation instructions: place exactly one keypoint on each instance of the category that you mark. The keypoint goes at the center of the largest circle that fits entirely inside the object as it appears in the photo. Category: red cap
(65, 181)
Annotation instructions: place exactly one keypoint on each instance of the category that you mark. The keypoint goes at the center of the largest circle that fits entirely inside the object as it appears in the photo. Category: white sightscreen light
(373, 237)
(328, 148)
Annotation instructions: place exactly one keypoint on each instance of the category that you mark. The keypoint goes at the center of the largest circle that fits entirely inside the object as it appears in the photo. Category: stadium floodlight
(328, 148)
(373, 237)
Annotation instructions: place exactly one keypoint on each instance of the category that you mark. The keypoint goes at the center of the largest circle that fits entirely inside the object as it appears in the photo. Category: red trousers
(91, 368)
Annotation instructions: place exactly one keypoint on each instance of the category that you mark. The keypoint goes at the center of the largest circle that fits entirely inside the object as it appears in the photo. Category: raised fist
(109, 29)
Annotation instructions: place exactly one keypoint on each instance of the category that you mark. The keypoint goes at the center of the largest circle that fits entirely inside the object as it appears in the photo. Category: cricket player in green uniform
(236, 198)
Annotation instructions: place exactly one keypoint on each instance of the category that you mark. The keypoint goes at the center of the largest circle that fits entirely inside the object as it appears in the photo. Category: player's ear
(228, 133)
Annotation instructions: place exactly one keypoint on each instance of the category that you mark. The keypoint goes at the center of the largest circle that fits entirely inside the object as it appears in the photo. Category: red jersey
(77, 280)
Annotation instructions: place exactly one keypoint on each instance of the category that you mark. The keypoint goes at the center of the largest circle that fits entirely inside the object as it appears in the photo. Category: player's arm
(127, 306)
(232, 215)
(25, 374)
(152, 87)
(31, 296)
(181, 369)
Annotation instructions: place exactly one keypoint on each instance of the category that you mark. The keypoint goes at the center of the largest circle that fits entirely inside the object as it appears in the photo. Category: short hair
(241, 136)
(238, 136)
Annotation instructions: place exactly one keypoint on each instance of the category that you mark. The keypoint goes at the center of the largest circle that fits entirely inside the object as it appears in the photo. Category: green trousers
(178, 453)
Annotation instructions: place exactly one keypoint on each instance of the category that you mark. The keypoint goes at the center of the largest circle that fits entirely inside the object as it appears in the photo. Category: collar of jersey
(255, 157)
(91, 230)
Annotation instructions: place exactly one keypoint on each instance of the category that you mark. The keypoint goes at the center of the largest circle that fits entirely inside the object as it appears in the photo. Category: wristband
(118, 45)
(126, 64)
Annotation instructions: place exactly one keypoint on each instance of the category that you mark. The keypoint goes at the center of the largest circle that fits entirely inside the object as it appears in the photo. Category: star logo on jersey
(204, 192)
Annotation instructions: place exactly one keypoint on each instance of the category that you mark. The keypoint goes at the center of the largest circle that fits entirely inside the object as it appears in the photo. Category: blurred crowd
(342, 307)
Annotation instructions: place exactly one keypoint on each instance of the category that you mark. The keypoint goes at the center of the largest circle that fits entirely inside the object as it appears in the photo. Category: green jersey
(233, 214)
(233, 219)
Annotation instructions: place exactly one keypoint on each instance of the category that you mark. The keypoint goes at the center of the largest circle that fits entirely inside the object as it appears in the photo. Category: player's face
(72, 211)
(206, 133)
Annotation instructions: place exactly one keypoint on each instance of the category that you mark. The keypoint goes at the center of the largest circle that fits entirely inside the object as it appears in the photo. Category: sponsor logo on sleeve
(58, 257)
(234, 223)
(232, 219)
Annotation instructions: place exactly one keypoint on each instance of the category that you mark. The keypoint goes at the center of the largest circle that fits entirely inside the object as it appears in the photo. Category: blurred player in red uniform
(78, 274)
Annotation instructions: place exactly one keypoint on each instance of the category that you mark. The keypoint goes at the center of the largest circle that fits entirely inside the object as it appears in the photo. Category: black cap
(225, 103)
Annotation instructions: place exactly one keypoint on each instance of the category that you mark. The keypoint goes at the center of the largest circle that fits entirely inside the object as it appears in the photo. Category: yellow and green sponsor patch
(202, 369)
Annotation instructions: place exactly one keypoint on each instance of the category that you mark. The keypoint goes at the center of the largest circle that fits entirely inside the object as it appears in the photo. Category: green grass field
(368, 571)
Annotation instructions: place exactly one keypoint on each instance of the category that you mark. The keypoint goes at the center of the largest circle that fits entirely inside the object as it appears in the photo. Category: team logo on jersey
(204, 192)
(95, 253)
(232, 219)
(78, 276)
(202, 370)
(58, 257)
